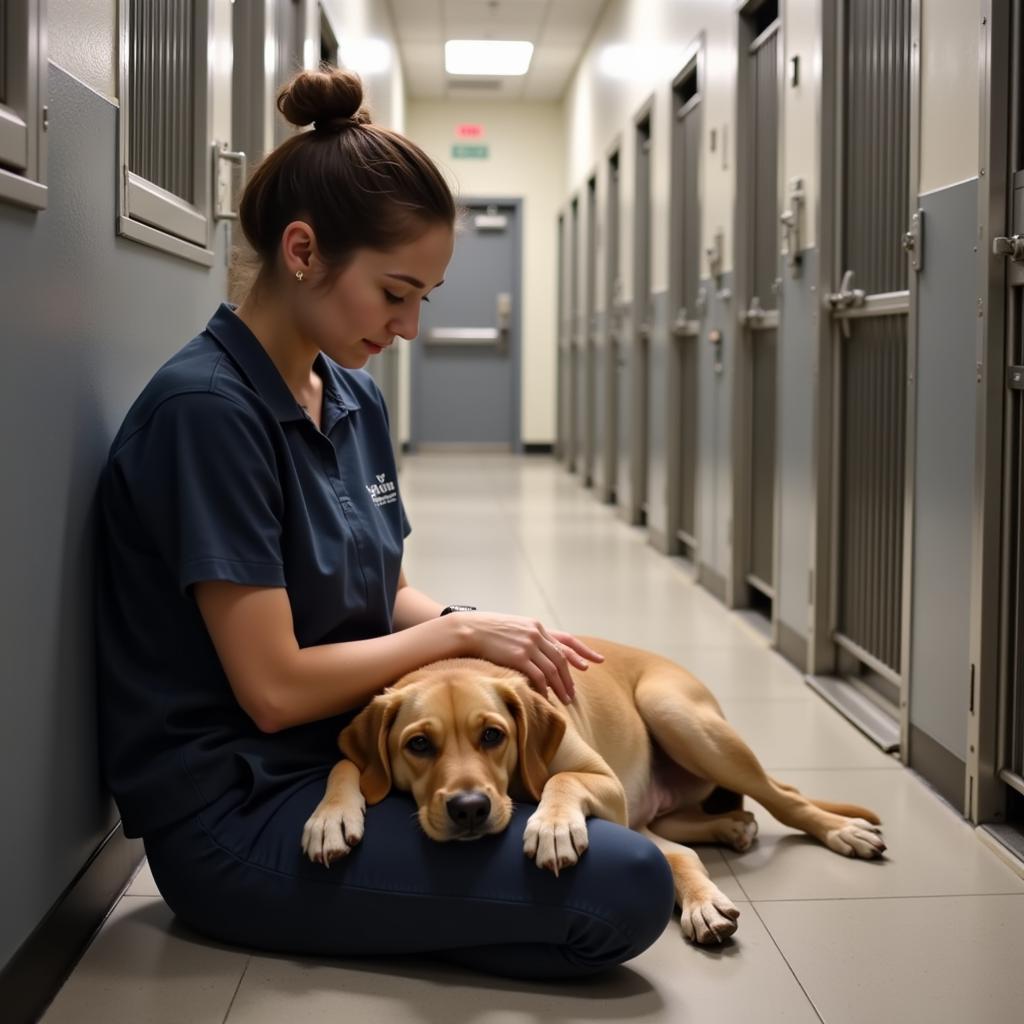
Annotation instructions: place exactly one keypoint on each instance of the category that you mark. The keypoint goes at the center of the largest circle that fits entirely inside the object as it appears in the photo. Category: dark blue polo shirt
(218, 474)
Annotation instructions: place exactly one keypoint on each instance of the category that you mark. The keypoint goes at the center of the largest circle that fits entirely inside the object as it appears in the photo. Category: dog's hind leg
(737, 829)
(708, 915)
(696, 737)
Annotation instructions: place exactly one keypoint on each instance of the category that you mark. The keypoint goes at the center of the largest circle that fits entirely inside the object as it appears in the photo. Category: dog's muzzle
(469, 812)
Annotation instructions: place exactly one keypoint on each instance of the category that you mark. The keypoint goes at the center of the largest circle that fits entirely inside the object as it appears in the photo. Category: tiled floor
(932, 934)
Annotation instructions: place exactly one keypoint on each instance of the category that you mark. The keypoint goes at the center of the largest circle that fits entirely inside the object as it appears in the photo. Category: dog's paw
(739, 832)
(331, 832)
(709, 919)
(857, 838)
(555, 841)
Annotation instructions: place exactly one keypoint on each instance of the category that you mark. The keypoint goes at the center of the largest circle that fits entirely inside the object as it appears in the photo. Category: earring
(299, 275)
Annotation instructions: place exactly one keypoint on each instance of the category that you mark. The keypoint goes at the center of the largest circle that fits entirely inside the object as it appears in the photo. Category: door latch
(847, 297)
(913, 240)
(1012, 247)
(755, 314)
(1015, 378)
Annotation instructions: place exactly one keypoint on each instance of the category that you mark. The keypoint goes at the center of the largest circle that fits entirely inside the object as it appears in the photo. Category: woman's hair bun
(327, 96)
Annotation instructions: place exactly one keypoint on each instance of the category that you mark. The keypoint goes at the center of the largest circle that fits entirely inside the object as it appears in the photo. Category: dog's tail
(847, 810)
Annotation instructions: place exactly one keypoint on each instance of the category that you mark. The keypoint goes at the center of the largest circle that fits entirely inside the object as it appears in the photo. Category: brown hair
(357, 184)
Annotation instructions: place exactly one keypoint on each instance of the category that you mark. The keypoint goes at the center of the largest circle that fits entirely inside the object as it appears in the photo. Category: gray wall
(944, 472)
(797, 343)
(87, 318)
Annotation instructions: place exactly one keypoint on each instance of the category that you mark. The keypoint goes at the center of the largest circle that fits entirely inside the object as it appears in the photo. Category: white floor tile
(941, 961)
(140, 970)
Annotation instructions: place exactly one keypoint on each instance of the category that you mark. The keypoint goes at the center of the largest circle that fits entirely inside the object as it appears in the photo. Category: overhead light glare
(487, 57)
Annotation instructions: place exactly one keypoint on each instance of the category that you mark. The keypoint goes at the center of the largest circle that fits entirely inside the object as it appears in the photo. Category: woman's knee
(629, 894)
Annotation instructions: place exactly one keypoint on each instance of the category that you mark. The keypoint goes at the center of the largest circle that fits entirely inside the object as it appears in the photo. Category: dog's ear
(364, 741)
(539, 732)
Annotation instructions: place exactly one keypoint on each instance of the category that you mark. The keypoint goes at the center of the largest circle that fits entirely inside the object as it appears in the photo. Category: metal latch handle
(1012, 247)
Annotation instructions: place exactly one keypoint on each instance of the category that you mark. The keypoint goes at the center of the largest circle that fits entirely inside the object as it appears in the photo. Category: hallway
(931, 934)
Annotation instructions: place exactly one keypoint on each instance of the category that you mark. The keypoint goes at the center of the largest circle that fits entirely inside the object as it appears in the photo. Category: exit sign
(467, 152)
(469, 131)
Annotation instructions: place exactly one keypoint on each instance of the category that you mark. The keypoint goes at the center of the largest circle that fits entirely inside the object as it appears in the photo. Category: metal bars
(161, 83)
(872, 432)
(762, 510)
(1014, 759)
(764, 107)
(875, 200)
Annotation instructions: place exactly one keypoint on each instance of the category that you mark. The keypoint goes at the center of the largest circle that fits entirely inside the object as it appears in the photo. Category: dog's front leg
(556, 833)
(337, 823)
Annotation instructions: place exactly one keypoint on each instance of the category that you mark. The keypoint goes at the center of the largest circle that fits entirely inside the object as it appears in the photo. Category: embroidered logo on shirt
(384, 491)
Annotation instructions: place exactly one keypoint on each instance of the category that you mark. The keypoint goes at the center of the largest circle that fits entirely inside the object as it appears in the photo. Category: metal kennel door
(870, 306)
(1010, 754)
(685, 260)
(761, 319)
(575, 396)
(639, 433)
(607, 456)
(588, 340)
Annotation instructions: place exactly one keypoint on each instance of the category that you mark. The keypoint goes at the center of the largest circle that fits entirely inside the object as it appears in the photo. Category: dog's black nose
(468, 810)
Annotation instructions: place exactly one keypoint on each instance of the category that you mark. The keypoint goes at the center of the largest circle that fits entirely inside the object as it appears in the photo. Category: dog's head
(455, 734)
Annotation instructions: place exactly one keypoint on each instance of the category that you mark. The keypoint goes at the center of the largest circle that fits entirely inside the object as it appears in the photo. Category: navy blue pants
(243, 879)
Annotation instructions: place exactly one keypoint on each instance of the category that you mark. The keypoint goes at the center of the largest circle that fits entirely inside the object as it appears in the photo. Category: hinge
(46, 119)
(810, 586)
(1015, 378)
(971, 707)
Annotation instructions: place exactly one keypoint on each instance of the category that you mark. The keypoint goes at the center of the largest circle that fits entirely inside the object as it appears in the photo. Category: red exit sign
(469, 131)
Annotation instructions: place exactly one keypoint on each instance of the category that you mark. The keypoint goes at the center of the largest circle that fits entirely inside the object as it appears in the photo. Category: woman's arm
(280, 685)
(413, 606)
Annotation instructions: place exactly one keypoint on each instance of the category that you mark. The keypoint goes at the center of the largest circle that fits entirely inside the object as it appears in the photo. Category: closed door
(687, 98)
(608, 383)
(869, 304)
(465, 364)
(762, 316)
(1010, 749)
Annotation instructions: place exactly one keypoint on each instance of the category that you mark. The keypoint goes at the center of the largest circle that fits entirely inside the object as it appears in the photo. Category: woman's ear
(298, 247)
(364, 741)
(539, 732)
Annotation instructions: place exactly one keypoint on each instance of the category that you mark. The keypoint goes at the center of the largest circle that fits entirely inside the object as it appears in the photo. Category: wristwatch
(459, 608)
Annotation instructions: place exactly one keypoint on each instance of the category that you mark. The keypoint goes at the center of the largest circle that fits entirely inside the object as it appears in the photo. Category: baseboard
(34, 975)
(940, 768)
(538, 449)
(792, 646)
(711, 580)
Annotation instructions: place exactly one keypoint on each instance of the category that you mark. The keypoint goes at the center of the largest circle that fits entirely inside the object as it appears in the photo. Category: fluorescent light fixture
(487, 57)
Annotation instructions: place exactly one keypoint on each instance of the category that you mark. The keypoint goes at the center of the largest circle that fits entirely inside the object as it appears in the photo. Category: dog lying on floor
(644, 744)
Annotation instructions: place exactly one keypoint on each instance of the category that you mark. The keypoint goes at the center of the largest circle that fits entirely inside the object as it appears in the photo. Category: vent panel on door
(876, 140)
(764, 105)
(161, 83)
(872, 431)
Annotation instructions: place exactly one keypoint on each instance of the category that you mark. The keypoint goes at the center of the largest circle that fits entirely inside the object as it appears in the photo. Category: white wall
(639, 46)
(950, 87)
(527, 161)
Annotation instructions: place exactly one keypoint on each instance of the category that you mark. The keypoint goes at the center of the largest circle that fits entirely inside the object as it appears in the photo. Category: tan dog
(644, 745)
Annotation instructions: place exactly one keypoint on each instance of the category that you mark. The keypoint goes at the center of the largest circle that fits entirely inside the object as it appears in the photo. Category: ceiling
(559, 30)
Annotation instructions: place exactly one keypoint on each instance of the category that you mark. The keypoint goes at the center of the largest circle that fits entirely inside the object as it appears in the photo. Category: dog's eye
(491, 737)
(420, 745)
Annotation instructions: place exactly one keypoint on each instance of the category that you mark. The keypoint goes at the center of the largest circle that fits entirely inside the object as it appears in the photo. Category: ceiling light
(487, 57)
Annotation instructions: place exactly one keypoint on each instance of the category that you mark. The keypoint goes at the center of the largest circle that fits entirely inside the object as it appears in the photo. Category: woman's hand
(523, 644)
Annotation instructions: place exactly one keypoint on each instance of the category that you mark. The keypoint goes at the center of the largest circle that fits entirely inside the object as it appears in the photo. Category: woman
(251, 596)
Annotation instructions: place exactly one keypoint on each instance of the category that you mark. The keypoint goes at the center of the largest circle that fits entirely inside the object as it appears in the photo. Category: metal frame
(639, 441)
(695, 60)
(516, 336)
(573, 446)
(156, 203)
(561, 346)
(589, 332)
(613, 324)
(23, 118)
(984, 792)
(737, 585)
(822, 649)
